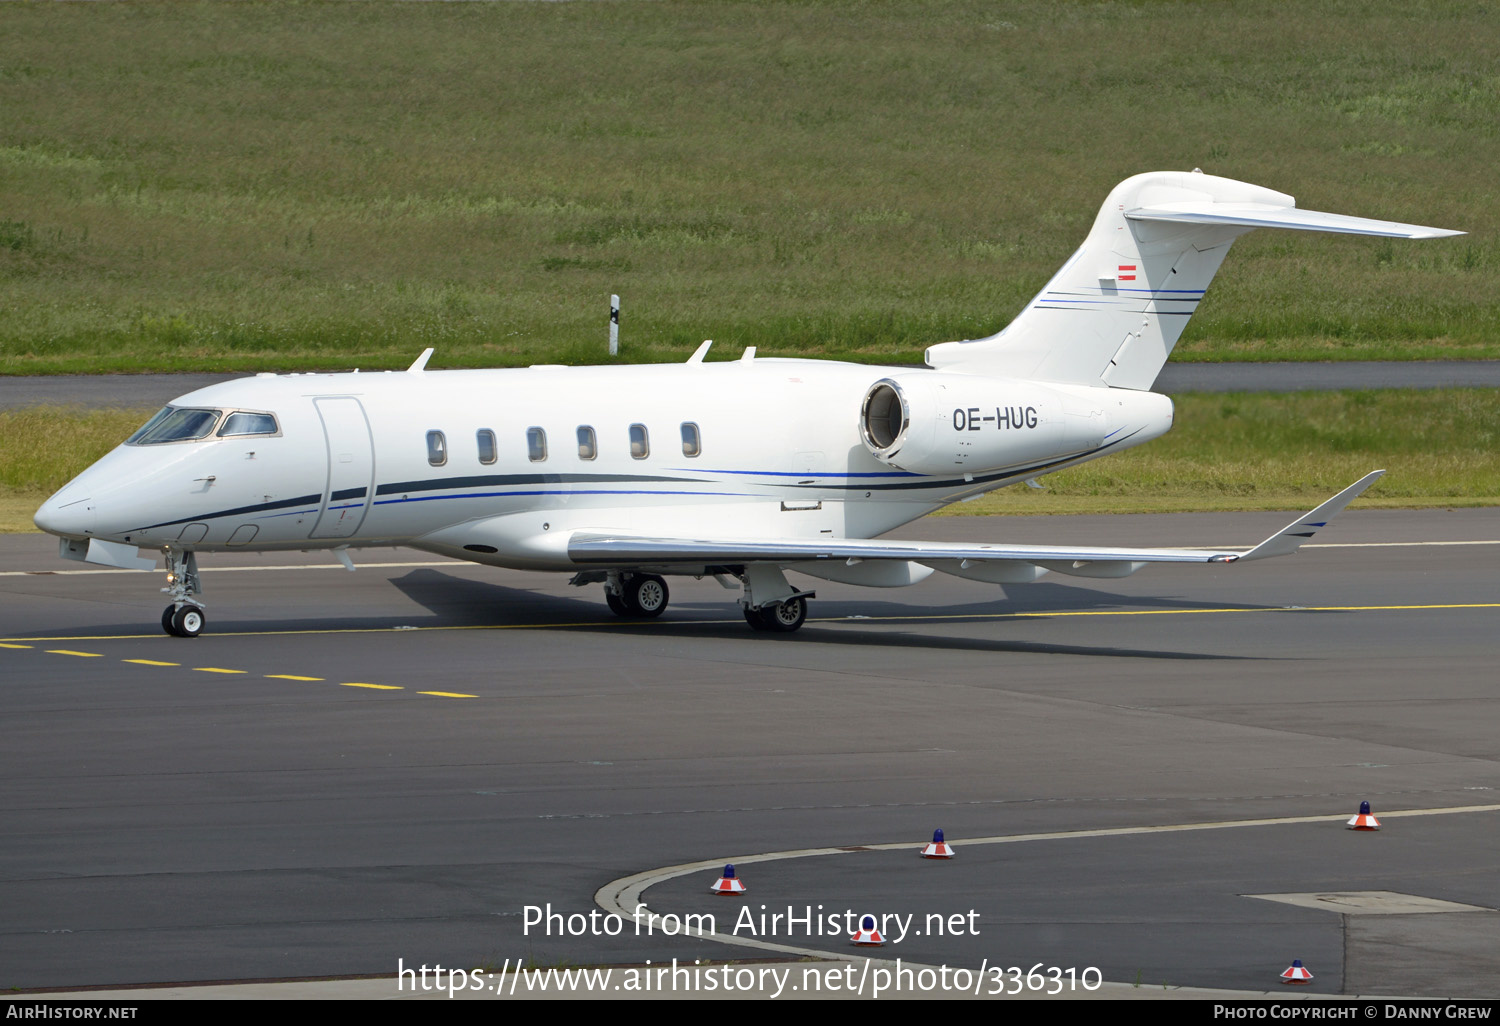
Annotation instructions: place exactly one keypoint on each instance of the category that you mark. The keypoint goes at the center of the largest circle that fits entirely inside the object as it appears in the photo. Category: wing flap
(587, 547)
(606, 548)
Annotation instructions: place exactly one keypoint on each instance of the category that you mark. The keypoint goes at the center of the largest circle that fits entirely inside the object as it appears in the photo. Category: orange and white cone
(867, 936)
(938, 849)
(728, 883)
(1296, 974)
(1364, 821)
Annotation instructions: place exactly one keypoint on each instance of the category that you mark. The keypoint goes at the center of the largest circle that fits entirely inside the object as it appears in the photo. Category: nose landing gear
(184, 617)
(183, 621)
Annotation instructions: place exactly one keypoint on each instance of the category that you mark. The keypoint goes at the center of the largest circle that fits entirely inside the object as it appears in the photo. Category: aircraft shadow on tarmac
(467, 602)
(460, 602)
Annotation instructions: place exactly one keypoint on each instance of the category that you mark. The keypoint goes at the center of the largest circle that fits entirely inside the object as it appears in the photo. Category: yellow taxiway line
(623, 623)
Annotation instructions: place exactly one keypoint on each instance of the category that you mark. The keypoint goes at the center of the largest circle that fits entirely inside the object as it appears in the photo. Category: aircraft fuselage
(499, 466)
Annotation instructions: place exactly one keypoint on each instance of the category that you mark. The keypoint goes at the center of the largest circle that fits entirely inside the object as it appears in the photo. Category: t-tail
(1112, 314)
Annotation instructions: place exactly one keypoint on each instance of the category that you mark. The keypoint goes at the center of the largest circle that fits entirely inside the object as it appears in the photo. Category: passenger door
(351, 467)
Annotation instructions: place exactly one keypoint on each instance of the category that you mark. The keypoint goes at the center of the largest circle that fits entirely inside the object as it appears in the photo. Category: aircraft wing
(599, 547)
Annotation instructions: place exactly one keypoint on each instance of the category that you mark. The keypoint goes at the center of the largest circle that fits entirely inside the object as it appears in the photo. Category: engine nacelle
(937, 423)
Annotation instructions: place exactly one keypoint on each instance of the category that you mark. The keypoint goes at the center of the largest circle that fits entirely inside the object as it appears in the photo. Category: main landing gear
(640, 596)
(769, 603)
(780, 618)
(184, 617)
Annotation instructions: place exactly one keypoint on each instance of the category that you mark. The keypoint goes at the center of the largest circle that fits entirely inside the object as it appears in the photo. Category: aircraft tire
(166, 620)
(782, 618)
(646, 595)
(785, 617)
(616, 603)
(188, 622)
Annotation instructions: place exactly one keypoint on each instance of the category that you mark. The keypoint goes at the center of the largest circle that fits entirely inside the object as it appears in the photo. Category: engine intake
(941, 423)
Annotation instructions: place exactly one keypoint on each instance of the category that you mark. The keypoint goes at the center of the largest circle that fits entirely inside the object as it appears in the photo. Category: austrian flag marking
(1126, 272)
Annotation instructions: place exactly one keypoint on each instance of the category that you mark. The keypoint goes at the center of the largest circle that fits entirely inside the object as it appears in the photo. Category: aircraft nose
(66, 516)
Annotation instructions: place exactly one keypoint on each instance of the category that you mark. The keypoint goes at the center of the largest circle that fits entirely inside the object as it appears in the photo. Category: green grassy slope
(285, 186)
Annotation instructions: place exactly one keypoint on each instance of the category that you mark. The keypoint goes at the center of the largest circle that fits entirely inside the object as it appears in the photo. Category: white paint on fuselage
(781, 457)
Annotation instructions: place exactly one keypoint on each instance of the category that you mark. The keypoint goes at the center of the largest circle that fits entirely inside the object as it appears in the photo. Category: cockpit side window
(173, 424)
(245, 423)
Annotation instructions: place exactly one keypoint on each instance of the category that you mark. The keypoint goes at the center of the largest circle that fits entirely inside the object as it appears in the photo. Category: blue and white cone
(1296, 974)
(728, 883)
(1364, 821)
(938, 849)
(867, 936)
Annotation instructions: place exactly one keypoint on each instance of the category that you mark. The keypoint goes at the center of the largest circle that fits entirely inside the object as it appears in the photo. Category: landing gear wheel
(187, 622)
(166, 620)
(616, 603)
(646, 595)
(782, 618)
(785, 617)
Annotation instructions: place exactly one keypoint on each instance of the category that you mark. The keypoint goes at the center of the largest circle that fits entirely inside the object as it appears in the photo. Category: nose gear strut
(184, 617)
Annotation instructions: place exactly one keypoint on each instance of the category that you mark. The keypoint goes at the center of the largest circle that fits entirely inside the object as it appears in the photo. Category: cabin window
(437, 448)
(691, 446)
(175, 425)
(536, 444)
(640, 444)
(486, 440)
(249, 424)
(588, 445)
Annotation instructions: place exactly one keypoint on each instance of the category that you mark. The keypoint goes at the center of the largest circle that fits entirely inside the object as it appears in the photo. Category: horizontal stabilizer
(1262, 216)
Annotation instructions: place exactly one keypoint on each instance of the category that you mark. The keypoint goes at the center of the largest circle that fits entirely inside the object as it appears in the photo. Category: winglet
(1287, 540)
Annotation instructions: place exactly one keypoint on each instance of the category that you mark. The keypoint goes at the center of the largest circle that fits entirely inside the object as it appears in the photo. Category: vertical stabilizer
(1112, 314)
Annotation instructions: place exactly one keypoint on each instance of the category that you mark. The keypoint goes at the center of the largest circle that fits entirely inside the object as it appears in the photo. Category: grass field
(290, 186)
(1225, 452)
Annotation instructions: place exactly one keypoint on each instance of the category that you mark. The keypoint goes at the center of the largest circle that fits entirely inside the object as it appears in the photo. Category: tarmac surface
(403, 767)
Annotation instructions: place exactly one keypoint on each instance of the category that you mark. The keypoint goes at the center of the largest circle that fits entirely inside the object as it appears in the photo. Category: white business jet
(739, 470)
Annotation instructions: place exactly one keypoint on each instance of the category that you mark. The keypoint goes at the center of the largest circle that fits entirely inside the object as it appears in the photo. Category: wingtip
(1290, 538)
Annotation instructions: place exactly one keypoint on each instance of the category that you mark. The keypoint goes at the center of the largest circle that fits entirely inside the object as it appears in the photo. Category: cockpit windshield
(242, 422)
(180, 424)
(175, 425)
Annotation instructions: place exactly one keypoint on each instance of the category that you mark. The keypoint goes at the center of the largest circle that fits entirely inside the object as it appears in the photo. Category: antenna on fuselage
(420, 363)
(614, 325)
